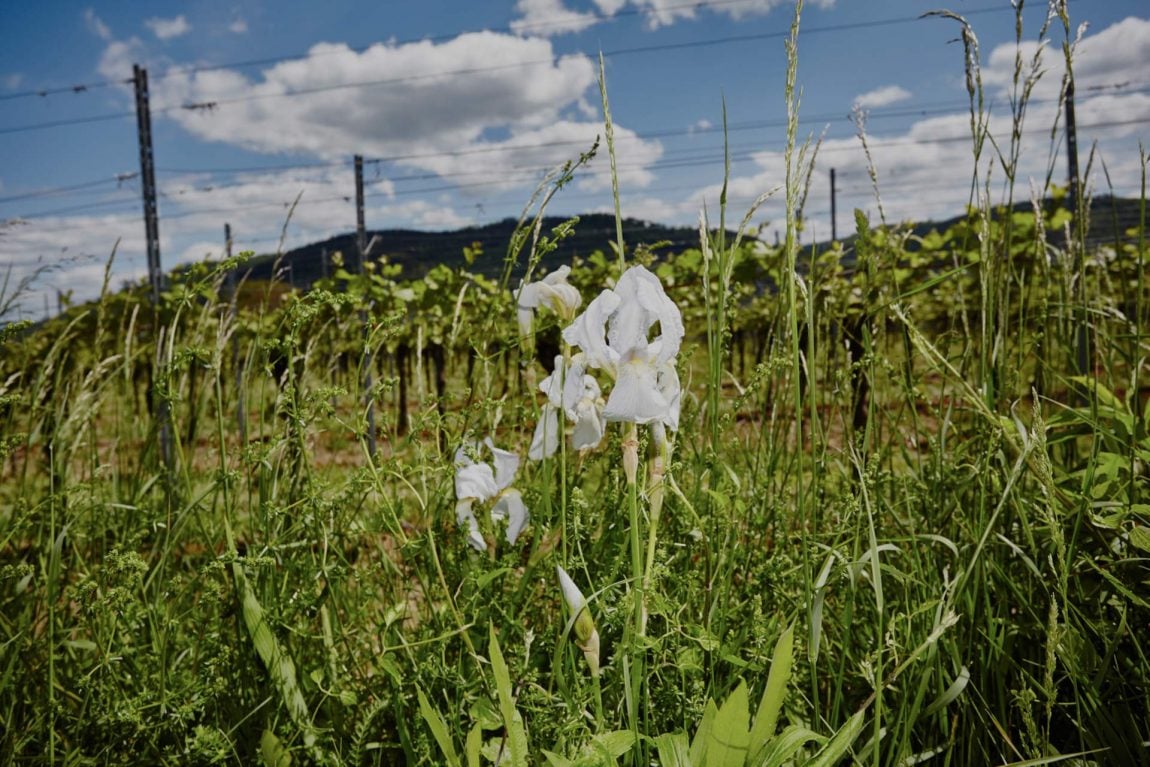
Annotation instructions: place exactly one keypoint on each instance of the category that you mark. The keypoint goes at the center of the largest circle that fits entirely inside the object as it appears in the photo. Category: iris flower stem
(563, 465)
(655, 494)
(598, 685)
(630, 465)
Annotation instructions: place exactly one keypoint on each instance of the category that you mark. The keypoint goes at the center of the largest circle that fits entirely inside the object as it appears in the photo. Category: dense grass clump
(884, 500)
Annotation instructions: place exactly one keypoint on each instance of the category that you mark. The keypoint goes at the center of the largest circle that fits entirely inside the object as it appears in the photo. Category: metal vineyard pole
(361, 258)
(152, 232)
(1073, 202)
(834, 227)
(237, 365)
(148, 180)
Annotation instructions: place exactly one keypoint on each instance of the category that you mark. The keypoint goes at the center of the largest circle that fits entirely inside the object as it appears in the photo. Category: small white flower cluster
(613, 337)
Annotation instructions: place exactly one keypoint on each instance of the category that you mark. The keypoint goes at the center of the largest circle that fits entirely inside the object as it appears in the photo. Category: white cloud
(551, 17)
(118, 57)
(925, 171)
(503, 106)
(610, 7)
(96, 26)
(167, 29)
(544, 18)
(436, 216)
(881, 97)
(12, 81)
(661, 13)
(518, 110)
(238, 27)
(701, 125)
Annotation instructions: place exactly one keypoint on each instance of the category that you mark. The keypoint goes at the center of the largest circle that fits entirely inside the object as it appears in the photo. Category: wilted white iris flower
(482, 482)
(552, 292)
(614, 335)
(570, 390)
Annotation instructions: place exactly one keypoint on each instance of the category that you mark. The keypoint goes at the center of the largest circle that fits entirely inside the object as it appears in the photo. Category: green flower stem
(655, 492)
(600, 724)
(562, 417)
(635, 677)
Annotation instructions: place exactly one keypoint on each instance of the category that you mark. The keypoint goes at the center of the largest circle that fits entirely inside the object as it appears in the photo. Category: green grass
(930, 543)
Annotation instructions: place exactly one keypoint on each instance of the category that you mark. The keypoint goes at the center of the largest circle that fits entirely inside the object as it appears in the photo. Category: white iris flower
(570, 390)
(614, 335)
(552, 292)
(482, 482)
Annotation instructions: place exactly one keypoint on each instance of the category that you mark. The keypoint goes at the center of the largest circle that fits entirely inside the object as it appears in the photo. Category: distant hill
(418, 251)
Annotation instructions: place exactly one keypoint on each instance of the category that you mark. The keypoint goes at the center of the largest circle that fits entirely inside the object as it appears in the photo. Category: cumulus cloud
(301, 205)
(925, 170)
(552, 17)
(545, 18)
(660, 13)
(482, 103)
(167, 29)
(485, 112)
(238, 27)
(701, 125)
(13, 80)
(96, 26)
(881, 97)
(118, 57)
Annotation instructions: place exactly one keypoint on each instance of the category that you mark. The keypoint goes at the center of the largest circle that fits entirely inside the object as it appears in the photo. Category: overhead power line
(524, 175)
(60, 190)
(592, 17)
(208, 103)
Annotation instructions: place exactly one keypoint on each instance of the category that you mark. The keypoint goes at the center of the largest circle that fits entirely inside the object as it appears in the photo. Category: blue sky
(459, 108)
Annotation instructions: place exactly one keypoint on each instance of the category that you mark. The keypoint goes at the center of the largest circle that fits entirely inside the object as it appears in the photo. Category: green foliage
(901, 519)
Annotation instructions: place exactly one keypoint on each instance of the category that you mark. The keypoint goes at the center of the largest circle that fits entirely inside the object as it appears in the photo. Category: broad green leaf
(517, 741)
(516, 736)
(278, 663)
(272, 752)
(729, 739)
(673, 749)
(781, 749)
(438, 729)
(838, 745)
(555, 760)
(699, 743)
(484, 714)
(474, 745)
(767, 717)
(1140, 537)
(613, 744)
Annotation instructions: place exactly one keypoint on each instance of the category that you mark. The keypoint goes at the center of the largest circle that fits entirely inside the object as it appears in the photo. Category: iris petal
(465, 517)
(506, 464)
(636, 397)
(589, 425)
(587, 331)
(510, 507)
(475, 481)
(546, 439)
